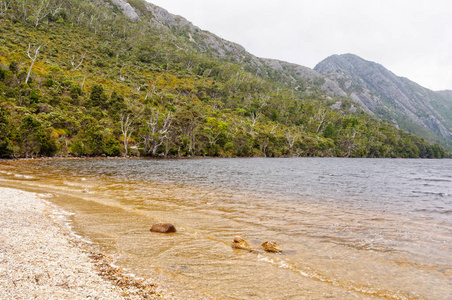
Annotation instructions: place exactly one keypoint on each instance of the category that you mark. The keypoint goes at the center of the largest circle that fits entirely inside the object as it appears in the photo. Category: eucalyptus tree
(127, 129)
(33, 59)
(156, 131)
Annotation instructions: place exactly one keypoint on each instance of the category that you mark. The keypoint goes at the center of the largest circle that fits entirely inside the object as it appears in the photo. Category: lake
(349, 228)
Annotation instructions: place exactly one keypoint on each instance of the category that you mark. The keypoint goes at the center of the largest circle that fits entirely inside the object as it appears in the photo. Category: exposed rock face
(271, 247)
(203, 40)
(127, 9)
(161, 16)
(239, 243)
(396, 99)
(163, 228)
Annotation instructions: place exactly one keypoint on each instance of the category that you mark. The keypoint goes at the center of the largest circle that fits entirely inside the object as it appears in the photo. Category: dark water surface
(350, 228)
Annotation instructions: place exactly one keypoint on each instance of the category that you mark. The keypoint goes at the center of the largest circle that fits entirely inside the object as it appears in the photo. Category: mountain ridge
(393, 98)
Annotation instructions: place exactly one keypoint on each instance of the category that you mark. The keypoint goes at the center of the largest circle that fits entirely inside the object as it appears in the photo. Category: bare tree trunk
(126, 130)
(33, 59)
(290, 139)
(4, 6)
(24, 9)
(154, 85)
(167, 143)
(254, 118)
(79, 18)
(73, 63)
(321, 115)
(83, 83)
(122, 78)
(157, 132)
(41, 12)
(55, 9)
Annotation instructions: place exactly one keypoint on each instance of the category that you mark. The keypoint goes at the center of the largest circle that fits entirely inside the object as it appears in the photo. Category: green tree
(186, 122)
(98, 97)
(116, 103)
(29, 136)
(330, 131)
(34, 138)
(213, 130)
(6, 146)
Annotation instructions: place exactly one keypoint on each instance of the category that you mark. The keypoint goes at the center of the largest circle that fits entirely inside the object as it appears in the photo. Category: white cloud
(411, 38)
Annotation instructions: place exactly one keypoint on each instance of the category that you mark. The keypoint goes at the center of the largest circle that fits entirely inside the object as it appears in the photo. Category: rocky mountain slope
(390, 97)
(447, 94)
(297, 76)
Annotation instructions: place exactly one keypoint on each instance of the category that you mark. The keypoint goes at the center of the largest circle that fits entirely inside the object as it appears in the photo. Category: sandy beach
(41, 258)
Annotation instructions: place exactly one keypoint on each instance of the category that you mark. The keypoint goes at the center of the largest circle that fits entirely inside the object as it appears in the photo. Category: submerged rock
(271, 247)
(163, 228)
(240, 243)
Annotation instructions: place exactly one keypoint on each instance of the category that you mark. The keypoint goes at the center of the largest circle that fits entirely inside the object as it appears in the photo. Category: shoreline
(63, 158)
(41, 257)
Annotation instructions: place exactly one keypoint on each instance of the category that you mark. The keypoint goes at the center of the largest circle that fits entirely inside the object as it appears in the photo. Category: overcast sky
(411, 38)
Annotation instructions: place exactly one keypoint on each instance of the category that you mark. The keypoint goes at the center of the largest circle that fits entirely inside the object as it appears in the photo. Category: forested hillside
(95, 78)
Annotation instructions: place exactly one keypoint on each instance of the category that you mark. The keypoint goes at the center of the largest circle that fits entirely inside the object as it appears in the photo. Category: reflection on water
(350, 228)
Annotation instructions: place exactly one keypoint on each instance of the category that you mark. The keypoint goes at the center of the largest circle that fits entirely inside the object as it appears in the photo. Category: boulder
(240, 243)
(271, 247)
(163, 228)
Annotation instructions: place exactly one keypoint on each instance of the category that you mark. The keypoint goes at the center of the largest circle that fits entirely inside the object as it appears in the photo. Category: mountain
(296, 76)
(116, 77)
(398, 100)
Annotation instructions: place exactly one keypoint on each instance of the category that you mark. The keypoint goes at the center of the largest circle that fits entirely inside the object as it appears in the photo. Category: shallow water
(350, 228)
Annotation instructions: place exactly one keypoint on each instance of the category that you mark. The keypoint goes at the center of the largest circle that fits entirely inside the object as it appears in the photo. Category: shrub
(98, 96)
(2, 74)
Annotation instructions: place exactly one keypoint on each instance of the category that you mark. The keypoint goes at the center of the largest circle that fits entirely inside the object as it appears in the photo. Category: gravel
(41, 258)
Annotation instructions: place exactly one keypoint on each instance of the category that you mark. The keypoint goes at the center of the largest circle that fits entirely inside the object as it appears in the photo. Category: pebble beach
(41, 258)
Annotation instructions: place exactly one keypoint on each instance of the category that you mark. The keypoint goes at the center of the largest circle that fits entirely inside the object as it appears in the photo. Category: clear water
(349, 228)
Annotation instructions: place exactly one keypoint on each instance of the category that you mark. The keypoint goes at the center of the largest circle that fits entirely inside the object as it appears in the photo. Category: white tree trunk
(33, 59)
(127, 131)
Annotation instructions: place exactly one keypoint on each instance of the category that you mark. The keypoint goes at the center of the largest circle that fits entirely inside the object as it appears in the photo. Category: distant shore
(41, 258)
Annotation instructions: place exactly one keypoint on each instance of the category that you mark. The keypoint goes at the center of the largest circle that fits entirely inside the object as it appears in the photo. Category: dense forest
(78, 78)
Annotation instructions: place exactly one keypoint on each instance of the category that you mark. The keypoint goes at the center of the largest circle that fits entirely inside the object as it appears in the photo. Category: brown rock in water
(271, 247)
(163, 228)
(240, 243)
